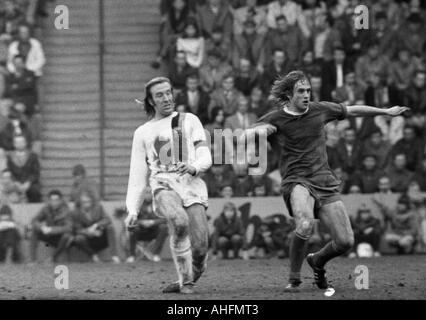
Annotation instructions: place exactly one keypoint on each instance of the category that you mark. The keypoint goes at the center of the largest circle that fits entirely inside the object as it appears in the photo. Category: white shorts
(189, 188)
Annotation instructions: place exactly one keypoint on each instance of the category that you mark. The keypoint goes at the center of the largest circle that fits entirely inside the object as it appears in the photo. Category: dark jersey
(301, 139)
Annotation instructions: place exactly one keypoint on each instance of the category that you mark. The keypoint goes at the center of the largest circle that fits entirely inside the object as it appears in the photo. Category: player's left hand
(131, 221)
(396, 111)
(183, 168)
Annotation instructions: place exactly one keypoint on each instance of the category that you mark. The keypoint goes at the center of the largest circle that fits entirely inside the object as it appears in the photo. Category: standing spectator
(376, 146)
(194, 98)
(149, 229)
(214, 13)
(288, 38)
(226, 96)
(15, 127)
(291, 11)
(82, 183)
(212, 73)
(402, 226)
(192, 43)
(279, 66)
(228, 232)
(350, 92)
(220, 43)
(348, 148)
(333, 73)
(22, 86)
(52, 225)
(249, 45)
(258, 103)
(93, 230)
(367, 177)
(242, 119)
(409, 145)
(325, 39)
(179, 71)
(246, 77)
(25, 168)
(398, 173)
(367, 229)
(251, 11)
(10, 237)
(371, 63)
(30, 49)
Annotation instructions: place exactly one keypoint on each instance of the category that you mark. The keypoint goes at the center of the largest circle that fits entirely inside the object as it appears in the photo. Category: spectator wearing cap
(22, 86)
(409, 145)
(367, 177)
(288, 38)
(289, 9)
(402, 225)
(249, 45)
(30, 49)
(251, 11)
(375, 145)
(192, 43)
(214, 13)
(226, 96)
(411, 35)
(367, 229)
(82, 183)
(398, 173)
(194, 98)
(179, 71)
(25, 169)
(52, 225)
(333, 73)
(220, 43)
(212, 73)
(228, 232)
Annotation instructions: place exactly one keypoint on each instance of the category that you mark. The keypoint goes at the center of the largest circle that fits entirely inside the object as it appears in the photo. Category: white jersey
(159, 145)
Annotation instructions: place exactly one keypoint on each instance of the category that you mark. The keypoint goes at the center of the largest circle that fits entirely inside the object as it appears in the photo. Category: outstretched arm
(362, 111)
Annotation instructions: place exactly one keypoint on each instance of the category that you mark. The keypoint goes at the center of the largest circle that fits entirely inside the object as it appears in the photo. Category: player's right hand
(130, 221)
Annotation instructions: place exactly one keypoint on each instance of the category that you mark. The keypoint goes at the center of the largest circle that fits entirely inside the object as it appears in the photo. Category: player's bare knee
(305, 227)
(345, 242)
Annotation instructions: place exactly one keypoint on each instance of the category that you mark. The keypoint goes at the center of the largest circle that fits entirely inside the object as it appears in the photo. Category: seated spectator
(242, 119)
(367, 229)
(214, 13)
(82, 183)
(367, 177)
(385, 186)
(376, 146)
(420, 174)
(409, 145)
(381, 94)
(219, 43)
(30, 49)
(251, 11)
(291, 11)
(371, 63)
(227, 192)
(10, 237)
(249, 45)
(13, 16)
(226, 96)
(411, 34)
(402, 226)
(312, 11)
(246, 77)
(382, 31)
(5, 107)
(212, 73)
(279, 66)
(403, 69)
(398, 173)
(192, 43)
(179, 71)
(34, 125)
(350, 92)
(25, 169)
(22, 86)
(228, 233)
(242, 184)
(52, 225)
(308, 65)
(349, 151)
(258, 103)
(194, 98)
(288, 38)
(15, 127)
(415, 97)
(93, 230)
(150, 229)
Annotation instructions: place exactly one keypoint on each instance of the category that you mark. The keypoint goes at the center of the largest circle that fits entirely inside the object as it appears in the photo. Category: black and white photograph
(232, 153)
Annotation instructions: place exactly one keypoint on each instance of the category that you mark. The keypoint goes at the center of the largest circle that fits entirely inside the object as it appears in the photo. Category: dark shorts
(99, 243)
(321, 195)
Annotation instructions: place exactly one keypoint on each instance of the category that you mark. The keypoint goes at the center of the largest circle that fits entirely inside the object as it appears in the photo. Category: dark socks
(328, 252)
(298, 248)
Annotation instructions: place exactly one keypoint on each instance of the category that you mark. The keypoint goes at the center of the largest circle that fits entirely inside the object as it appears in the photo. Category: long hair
(148, 101)
(283, 87)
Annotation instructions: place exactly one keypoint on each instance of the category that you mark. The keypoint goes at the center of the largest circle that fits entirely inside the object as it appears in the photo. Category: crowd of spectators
(223, 56)
(21, 64)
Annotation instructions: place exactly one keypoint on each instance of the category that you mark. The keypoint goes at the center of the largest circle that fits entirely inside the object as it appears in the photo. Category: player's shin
(298, 248)
(182, 257)
(330, 251)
